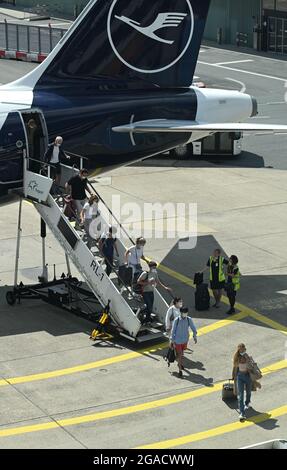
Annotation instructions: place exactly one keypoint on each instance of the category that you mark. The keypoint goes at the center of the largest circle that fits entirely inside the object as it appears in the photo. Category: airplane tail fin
(141, 43)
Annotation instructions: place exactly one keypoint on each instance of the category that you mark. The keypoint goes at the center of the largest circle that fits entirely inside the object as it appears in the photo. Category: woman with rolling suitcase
(245, 372)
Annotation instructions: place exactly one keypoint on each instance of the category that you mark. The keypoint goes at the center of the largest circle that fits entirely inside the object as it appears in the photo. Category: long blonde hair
(237, 353)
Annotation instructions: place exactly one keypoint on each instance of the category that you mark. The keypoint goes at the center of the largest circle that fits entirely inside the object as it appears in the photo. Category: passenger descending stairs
(125, 307)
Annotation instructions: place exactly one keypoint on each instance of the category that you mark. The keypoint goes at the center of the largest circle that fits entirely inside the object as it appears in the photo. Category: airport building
(258, 24)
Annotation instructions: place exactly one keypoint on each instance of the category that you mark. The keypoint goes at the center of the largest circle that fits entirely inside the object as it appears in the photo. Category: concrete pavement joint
(132, 409)
(218, 431)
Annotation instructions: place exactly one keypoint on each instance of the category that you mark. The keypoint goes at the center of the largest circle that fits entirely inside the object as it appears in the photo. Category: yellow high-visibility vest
(221, 275)
(236, 279)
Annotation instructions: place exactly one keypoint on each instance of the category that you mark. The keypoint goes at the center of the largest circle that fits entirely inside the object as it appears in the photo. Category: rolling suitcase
(227, 391)
(125, 275)
(198, 279)
(202, 297)
(137, 288)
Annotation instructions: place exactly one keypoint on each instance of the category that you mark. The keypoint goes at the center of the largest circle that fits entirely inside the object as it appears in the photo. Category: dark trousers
(232, 298)
(109, 262)
(148, 300)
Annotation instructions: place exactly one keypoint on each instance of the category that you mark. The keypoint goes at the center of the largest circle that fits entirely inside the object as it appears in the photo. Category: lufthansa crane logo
(163, 20)
(33, 185)
(150, 39)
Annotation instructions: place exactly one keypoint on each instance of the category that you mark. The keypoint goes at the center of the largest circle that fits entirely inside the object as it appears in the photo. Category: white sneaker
(246, 407)
(242, 417)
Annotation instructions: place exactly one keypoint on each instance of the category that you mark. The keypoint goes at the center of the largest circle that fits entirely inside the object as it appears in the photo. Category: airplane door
(13, 145)
(37, 136)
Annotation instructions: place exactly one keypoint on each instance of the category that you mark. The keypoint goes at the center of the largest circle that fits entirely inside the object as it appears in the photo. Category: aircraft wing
(166, 125)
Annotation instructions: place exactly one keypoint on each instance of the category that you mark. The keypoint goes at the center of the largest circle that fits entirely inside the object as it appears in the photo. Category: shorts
(180, 347)
(216, 285)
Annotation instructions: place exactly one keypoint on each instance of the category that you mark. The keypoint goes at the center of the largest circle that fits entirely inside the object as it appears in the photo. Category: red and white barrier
(25, 56)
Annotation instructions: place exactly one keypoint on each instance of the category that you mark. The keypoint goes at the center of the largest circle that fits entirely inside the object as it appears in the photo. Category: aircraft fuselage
(86, 120)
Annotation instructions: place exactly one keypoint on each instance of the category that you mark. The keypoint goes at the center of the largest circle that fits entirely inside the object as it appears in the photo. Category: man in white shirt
(135, 254)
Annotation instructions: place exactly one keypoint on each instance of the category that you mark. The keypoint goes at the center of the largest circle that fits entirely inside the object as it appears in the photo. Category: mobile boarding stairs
(90, 297)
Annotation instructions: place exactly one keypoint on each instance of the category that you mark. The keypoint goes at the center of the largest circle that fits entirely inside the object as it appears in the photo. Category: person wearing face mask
(172, 313)
(135, 254)
(180, 336)
(89, 213)
(149, 281)
(242, 379)
(55, 155)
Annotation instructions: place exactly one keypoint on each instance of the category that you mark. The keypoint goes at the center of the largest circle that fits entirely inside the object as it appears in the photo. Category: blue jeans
(148, 300)
(243, 380)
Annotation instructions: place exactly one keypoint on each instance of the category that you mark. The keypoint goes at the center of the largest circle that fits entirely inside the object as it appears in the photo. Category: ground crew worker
(233, 282)
(180, 336)
(216, 275)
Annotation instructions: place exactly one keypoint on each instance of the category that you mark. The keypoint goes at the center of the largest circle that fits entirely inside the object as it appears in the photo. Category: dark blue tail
(143, 43)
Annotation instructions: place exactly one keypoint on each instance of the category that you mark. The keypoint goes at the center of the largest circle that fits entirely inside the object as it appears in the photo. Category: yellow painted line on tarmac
(265, 320)
(222, 323)
(173, 400)
(218, 431)
(115, 359)
(80, 368)
(243, 308)
(185, 280)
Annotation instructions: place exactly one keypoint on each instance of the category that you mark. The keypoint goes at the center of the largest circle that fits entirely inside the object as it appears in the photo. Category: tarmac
(59, 390)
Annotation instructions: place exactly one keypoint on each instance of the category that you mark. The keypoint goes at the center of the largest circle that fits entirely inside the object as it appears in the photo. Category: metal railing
(29, 38)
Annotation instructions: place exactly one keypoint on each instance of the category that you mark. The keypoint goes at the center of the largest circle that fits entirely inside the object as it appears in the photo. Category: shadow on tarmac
(245, 160)
(195, 378)
(268, 424)
(257, 292)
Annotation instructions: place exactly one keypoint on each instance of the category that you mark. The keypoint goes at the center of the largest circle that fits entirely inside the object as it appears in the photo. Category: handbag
(254, 370)
(170, 356)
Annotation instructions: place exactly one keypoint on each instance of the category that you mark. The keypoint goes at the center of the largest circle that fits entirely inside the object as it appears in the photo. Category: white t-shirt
(135, 255)
(90, 211)
(171, 315)
(55, 156)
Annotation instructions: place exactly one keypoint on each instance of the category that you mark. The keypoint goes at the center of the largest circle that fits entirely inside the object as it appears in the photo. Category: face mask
(153, 270)
(242, 353)
(184, 315)
(180, 305)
